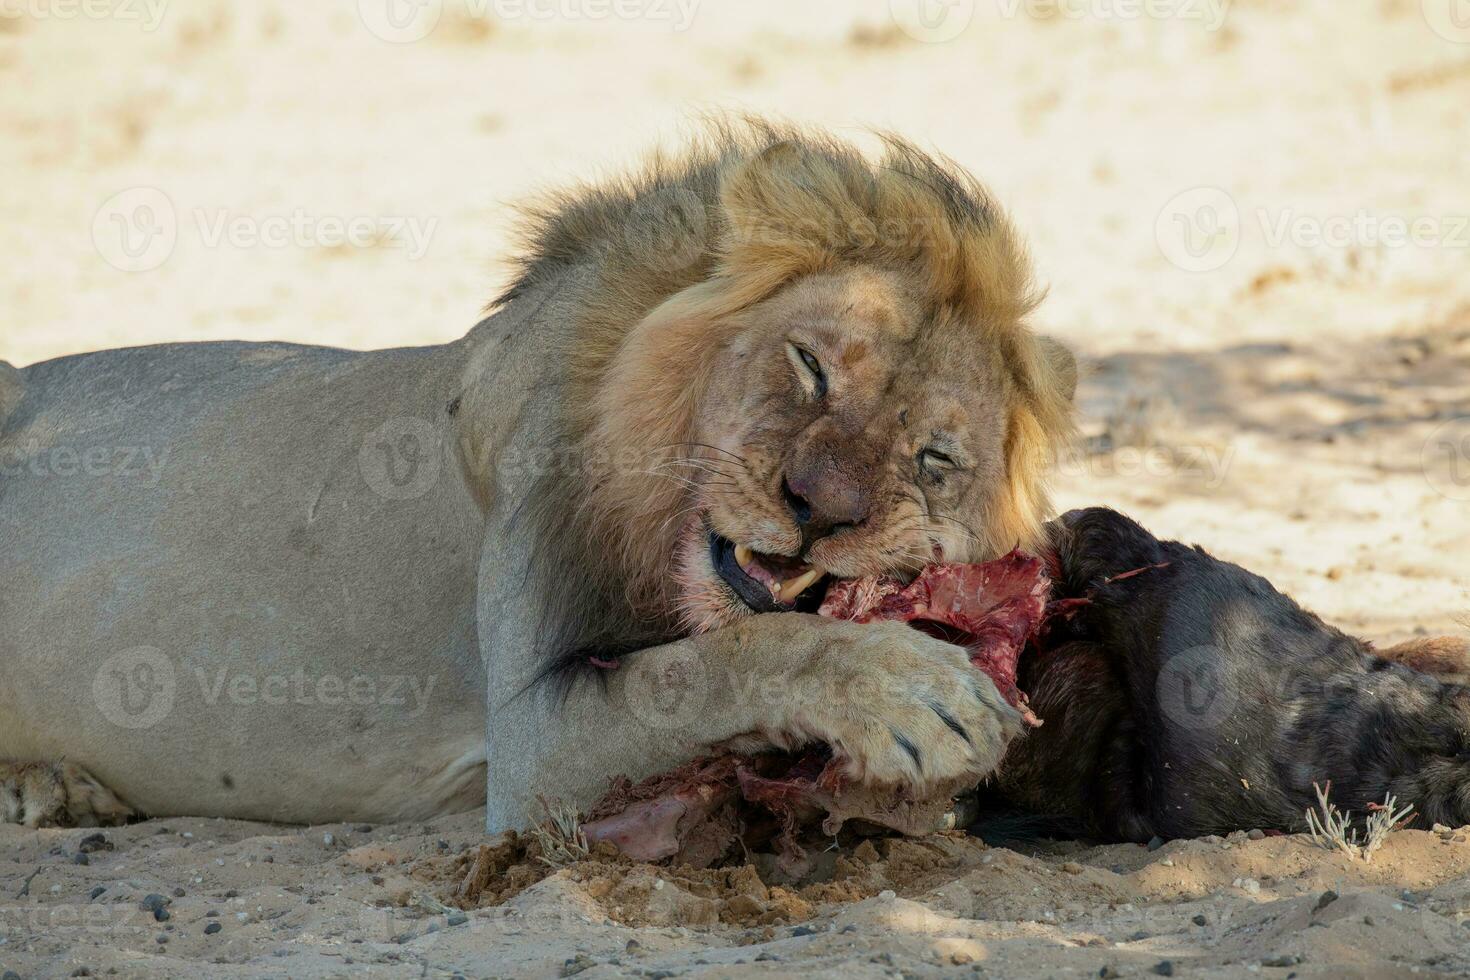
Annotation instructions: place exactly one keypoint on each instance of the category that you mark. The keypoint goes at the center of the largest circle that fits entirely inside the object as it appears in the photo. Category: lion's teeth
(800, 584)
(743, 555)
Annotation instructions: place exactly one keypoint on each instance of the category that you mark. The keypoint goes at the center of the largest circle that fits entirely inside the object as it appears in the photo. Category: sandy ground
(1218, 204)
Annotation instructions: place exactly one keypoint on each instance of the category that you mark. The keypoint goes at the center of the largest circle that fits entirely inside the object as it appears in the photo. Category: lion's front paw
(56, 794)
(900, 707)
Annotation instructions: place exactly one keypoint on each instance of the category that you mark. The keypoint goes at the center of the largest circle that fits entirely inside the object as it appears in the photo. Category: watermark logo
(1199, 230)
(1450, 19)
(402, 458)
(135, 688)
(400, 21)
(136, 230)
(670, 227)
(932, 21)
(1446, 459)
(1193, 689)
(665, 687)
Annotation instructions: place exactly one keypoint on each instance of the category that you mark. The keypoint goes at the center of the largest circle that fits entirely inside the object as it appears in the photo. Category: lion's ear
(780, 208)
(1061, 364)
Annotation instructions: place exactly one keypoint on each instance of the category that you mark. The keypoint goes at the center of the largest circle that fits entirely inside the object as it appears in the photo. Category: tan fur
(1445, 657)
(687, 254)
(56, 794)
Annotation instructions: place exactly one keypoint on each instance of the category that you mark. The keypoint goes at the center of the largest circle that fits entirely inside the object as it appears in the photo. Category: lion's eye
(813, 365)
(935, 460)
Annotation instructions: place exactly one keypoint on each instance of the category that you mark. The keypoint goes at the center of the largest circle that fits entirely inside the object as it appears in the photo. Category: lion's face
(844, 432)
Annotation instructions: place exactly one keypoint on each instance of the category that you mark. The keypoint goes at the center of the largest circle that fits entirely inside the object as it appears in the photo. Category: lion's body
(222, 540)
(170, 627)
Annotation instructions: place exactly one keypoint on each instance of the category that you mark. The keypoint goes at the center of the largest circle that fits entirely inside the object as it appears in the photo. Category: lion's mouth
(767, 583)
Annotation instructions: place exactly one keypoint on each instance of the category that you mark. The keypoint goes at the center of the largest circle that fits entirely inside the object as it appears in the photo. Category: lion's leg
(56, 794)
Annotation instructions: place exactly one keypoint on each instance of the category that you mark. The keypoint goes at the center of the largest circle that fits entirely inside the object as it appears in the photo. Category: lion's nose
(824, 500)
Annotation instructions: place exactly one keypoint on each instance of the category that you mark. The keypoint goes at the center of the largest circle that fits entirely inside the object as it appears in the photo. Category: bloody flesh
(700, 811)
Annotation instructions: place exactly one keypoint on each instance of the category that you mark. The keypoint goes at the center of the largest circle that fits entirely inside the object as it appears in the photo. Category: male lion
(293, 583)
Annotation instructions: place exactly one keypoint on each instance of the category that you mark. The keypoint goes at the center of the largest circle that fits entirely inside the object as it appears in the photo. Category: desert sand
(1254, 222)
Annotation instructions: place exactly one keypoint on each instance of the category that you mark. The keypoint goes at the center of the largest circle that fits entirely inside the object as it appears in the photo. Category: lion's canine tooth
(742, 555)
(800, 584)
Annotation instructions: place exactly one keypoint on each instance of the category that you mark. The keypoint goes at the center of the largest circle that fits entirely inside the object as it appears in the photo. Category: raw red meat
(992, 609)
(698, 812)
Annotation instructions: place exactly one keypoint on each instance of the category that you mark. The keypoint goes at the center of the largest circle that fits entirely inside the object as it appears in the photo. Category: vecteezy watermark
(135, 688)
(1364, 229)
(1445, 459)
(137, 230)
(407, 21)
(402, 458)
(1201, 229)
(932, 21)
(400, 21)
(1193, 689)
(1206, 465)
(147, 14)
(141, 464)
(327, 690)
(665, 687)
(26, 922)
(1450, 19)
(1210, 14)
(141, 687)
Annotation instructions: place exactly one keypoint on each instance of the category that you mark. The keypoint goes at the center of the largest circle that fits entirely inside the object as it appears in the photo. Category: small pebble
(161, 914)
(9, 975)
(160, 939)
(153, 901)
(1257, 835)
(1200, 920)
(80, 858)
(1278, 962)
(95, 892)
(364, 828)
(887, 895)
(1155, 843)
(1326, 899)
(803, 931)
(212, 928)
(328, 839)
(1164, 968)
(94, 842)
(179, 893)
(1072, 868)
(457, 918)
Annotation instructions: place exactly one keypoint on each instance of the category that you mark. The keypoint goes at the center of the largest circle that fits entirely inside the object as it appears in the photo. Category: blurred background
(1253, 217)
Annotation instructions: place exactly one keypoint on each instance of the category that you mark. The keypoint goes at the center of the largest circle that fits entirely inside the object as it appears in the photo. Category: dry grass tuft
(560, 836)
(1332, 828)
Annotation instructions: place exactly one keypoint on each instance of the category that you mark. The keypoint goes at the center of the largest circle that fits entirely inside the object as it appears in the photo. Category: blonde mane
(668, 253)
